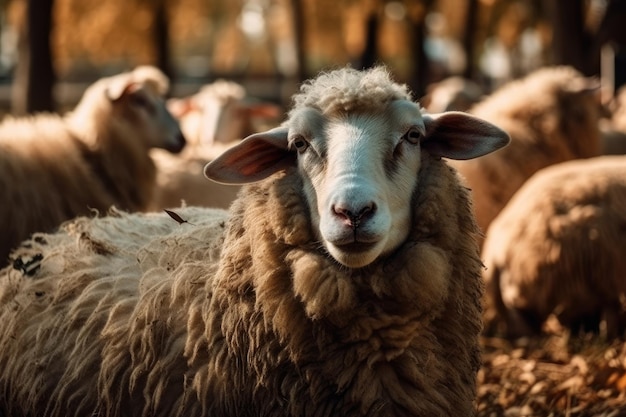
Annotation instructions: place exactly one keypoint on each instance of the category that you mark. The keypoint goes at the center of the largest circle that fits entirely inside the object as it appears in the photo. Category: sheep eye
(413, 136)
(141, 101)
(299, 144)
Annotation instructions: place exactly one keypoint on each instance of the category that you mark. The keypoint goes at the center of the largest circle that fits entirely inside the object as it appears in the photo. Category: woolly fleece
(558, 248)
(138, 315)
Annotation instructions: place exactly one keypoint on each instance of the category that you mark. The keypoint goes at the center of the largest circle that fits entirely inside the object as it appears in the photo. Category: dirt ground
(551, 376)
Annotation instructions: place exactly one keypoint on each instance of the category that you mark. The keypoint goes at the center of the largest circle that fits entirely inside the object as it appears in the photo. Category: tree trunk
(34, 77)
(571, 43)
(300, 33)
(417, 38)
(469, 39)
(369, 56)
(162, 39)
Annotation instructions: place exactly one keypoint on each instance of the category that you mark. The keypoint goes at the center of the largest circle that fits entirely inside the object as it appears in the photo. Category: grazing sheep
(58, 167)
(551, 115)
(214, 119)
(343, 281)
(558, 248)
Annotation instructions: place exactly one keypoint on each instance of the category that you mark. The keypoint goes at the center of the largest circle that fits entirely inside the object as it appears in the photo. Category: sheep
(452, 93)
(551, 115)
(344, 280)
(557, 249)
(214, 119)
(57, 167)
(220, 112)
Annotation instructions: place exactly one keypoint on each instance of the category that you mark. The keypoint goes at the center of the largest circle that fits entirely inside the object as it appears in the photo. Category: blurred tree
(572, 44)
(299, 26)
(370, 54)
(34, 75)
(162, 38)
(469, 38)
(417, 38)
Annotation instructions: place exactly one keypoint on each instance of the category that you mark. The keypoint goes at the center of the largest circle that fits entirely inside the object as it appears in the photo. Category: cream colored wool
(551, 115)
(558, 248)
(57, 167)
(244, 313)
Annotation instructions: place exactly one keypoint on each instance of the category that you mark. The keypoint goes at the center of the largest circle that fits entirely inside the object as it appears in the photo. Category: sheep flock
(344, 280)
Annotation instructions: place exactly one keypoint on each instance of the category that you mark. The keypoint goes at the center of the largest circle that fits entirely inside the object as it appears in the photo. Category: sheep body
(557, 248)
(551, 116)
(209, 313)
(57, 167)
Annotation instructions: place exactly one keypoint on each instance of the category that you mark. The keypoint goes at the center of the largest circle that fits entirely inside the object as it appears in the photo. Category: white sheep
(212, 120)
(221, 112)
(56, 167)
(343, 281)
(558, 248)
(551, 116)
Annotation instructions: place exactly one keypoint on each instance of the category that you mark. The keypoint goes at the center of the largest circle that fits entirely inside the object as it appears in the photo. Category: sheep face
(360, 169)
(143, 111)
(359, 172)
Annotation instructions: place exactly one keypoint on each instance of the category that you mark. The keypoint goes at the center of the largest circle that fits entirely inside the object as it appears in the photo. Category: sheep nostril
(354, 218)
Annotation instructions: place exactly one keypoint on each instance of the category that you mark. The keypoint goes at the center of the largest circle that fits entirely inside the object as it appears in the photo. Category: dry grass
(551, 376)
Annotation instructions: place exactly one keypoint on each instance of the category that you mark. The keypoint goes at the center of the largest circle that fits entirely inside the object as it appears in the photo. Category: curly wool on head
(350, 90)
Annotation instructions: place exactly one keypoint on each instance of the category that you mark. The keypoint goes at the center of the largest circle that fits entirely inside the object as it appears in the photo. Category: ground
(552, 376)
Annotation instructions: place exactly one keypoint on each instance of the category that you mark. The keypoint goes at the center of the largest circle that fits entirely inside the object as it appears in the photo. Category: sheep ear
(118, 88)
(257, 157)
(458, 135)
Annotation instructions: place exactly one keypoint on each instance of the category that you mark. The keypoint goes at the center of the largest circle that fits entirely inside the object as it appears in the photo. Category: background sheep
(558, 247)
(452, 94)
(346, 281)
(551, 115)
(221, 112)
(214, 119)
(54, 168)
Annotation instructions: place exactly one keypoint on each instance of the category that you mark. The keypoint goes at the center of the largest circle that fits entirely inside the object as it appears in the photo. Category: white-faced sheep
(221, 112)
(558, 248)
(344, 281)
(551, 115)
(214, 119)
(56, 167)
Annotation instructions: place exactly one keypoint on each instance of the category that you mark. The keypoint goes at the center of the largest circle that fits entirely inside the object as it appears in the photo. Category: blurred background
(51, 49)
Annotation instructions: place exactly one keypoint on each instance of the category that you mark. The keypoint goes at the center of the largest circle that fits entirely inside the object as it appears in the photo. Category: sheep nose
(353, 217)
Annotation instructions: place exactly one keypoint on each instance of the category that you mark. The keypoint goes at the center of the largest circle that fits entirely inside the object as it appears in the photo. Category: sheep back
(551, 116)
(76, 314)
(557, 248)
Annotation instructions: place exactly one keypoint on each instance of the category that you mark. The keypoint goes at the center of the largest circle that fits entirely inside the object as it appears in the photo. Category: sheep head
(132, 102)
(359, 166)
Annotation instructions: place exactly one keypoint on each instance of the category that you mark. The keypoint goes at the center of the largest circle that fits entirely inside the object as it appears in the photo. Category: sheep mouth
(356, 247)
(178, 145)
